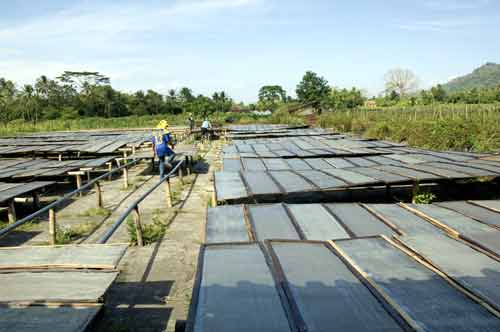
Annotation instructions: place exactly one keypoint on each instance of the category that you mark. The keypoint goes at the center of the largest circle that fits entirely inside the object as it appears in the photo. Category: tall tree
(401, 81)
(270, 96)
(312, 89)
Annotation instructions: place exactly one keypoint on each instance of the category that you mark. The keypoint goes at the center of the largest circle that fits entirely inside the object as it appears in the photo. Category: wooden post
(181, 175)
(87, 171)
(60, 157)
(168, 192)
(99, 195)
(110, 168)
(52, 227)
(125, 177)
(188, 167)
(138, 228)
(11, 211)
(214, 198)
(78, 175)
(36, 201)
(415, 191)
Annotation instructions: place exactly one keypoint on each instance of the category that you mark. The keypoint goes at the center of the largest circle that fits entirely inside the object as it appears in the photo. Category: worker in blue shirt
(163, 146)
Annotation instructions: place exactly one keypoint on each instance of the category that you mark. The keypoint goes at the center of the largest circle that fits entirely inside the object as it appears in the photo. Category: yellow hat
(163, 124)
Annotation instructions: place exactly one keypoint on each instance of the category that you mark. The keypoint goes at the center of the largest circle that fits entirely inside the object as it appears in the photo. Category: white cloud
(442, 24)
(456, 4)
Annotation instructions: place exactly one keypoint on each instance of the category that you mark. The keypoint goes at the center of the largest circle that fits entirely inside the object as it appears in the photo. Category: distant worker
(205, 128)
(163, 146)
(191, 122)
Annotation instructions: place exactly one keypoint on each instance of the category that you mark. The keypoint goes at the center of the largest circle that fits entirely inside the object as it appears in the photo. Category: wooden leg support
(98, 191)
(110, 168)
(138, 227)
(125, 177)
(168, 193)
(79, 183)
(52, 227)
(36, 201)
(11, 211)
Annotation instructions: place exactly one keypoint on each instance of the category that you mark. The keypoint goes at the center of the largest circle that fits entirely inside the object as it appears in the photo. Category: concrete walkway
(155, 284)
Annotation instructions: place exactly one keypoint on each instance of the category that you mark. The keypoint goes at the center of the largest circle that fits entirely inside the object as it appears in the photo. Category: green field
(441, 127)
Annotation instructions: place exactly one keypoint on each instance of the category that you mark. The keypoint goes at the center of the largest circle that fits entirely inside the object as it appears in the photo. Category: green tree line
(90, 94)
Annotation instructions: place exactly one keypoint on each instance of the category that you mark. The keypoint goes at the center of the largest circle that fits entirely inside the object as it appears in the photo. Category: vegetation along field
(463, 114)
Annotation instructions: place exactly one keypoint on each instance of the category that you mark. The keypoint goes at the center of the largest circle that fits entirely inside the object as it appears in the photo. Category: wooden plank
(321, 180)
(297, 164)
(276, 164)
(318, 163)
(408, 172)
(69, 256)
(67, 286)
(380, 175)
(231, 165)
(327, 295)
(447, 173)
(404, 220)
(253, 164)
(316, 223)
(351, 177)
(271, 221)
(291, 182)
(226, 224)
(427, 298)
(47, 319)
(228, 185)
(454, 222)
(358, 220)
(236, 291)
(493, 205)
(362, 162)
(260, 183)
(481, 214)
(339, 162)
(474, 172)
(470, 268)
(23, 189)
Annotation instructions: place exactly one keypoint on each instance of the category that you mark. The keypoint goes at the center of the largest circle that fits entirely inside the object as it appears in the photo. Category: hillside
(487, 75)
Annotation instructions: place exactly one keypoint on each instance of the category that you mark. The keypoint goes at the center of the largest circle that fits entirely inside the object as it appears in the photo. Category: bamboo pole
(138, 228)
(52, 227)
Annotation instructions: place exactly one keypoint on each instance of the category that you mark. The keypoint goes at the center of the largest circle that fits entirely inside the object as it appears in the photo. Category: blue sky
(240, 45)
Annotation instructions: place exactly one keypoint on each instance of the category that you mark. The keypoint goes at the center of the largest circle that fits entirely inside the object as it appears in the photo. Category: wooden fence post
(181, 175)
(12, 212)
(98, 191)
(36, 201)
(138, 228)
(52, 227)
(168, 192)
(125, 177)
(78, 175)
(188, 167)
(415, 191)
(110, 168)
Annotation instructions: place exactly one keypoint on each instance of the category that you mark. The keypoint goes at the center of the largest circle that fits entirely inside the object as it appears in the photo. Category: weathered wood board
(431, 302)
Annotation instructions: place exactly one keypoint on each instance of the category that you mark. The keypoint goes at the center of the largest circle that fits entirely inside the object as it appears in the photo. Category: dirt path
(155, 284)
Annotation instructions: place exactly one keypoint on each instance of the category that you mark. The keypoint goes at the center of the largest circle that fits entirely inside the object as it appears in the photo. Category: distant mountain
(487, 75)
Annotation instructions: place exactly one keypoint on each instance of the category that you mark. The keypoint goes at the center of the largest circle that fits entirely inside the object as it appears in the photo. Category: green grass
(151, 232)
(443, 127)
(146, 121)
(66, 235)
(94, 212)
